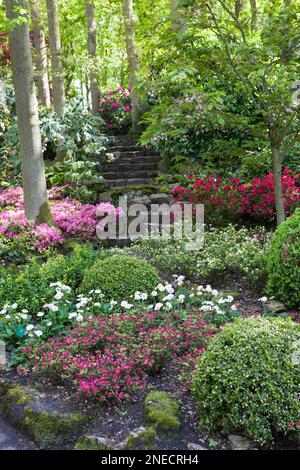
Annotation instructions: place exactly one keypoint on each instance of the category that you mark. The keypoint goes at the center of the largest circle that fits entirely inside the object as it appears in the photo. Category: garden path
(11, 439)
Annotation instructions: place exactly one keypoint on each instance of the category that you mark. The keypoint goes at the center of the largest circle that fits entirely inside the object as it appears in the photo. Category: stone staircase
(132, 165)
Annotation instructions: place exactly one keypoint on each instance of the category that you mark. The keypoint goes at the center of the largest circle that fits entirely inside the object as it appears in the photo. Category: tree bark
(33, 172)
(56, 59)
(178, 25)
(92, 50)
(40, 54)
(132, 55)
(253, 7)
(277, 175)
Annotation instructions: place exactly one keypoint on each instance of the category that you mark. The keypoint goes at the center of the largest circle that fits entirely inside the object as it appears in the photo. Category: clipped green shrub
(30, 288)
(284, 262)
(119, 277)
(248, 380)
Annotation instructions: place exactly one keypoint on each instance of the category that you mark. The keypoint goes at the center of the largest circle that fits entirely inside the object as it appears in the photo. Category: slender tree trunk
(238, 8)
(253, 7)
(277, 175)
(92, 50)
(56, 59)
(178, 25)
(40, 54)
(33, 172)
(132, 55)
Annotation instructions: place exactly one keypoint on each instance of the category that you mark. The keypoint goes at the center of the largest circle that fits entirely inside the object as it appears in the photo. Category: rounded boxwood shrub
(284, 262)
(29, 286)
(119, 277)
(248, 380)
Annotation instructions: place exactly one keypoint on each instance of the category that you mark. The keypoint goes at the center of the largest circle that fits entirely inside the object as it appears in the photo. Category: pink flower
(115, 106)
(127, 108)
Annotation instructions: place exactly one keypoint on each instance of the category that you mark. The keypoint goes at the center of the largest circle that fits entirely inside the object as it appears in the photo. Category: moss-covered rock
(19, 396)
(87, 442)
(162, 411)
(141, 439)
(48, 429)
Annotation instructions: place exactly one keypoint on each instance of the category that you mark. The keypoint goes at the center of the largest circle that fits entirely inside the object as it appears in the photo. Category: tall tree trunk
(238, 7)
(132, 55)
(56, 59)
(33, 172)
(253, 7)
(277, 175)
(92, 50)
(178, 25)
(40, 54)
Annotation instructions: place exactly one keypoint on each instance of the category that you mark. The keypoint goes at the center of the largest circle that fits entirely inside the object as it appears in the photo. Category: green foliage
(29, 287)
(227, 252)
(283, 262)
(248, 381)
(119, 277)
(77, 136)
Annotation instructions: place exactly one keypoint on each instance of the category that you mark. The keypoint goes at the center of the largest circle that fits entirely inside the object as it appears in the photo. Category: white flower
(181, 298)
(154, 293)
(97, 304)
(79, 318)
(113, 303)
(52, 307)
(150, 307)
(214, 292)
(29, 327)
(208, 288)
(14, 306)
(230, 298)
(38, 333)
(263, 299)
(59, 295)
(144, 296)
(168, 297)
(161, 288)
(126, 305)
(233, 307)
(7, 316)
(158, 306)
(168, 306)
(137, 296)
(49, 323)
(40, 314)
(97, 291)
(24, 310)
(169, 288)
(72, 315)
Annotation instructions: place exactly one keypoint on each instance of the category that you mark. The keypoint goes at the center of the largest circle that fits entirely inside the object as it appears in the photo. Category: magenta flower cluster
(72, 218)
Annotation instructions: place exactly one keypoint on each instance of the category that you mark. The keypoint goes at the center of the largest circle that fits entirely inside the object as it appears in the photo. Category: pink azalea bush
(115, 109)
(109, 357)
(73, 219)
(254, 198)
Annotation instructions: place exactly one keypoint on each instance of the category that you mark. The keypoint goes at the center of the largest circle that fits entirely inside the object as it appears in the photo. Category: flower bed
(73, 219)
(108, 357)
(254, 198)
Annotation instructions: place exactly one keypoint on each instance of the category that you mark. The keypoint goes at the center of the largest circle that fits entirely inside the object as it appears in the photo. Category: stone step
(113, 175)
(121, 183)
(135, 153)
(133, 159)
(130, 166)
(125, 148)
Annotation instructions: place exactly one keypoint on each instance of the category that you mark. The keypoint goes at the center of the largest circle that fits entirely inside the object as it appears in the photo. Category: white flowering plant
(19, 327)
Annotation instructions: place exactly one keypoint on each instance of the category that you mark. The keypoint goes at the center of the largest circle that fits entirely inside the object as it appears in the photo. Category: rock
(87, 442)
(193, 446)
(141, 439)
(161, 198)
(104, 197)
(140, 200)
(240, 442)
(275, 306)
(162, 410)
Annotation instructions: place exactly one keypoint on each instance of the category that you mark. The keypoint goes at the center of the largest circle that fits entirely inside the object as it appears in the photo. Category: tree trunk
(238, 7)
(92, 50)
(132, 55)
(56, 59)
(40, 54)
(178, 25)
(253, 7)
(33, 172)
(277, 175)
